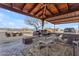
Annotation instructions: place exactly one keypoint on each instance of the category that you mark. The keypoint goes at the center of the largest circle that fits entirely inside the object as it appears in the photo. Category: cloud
(1, 20)
(11, 23)
(8, 11)
(3, 24)
(4, 17)
(1, 14)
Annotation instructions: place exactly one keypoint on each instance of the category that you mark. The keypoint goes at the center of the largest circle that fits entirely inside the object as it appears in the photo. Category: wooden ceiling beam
(39, 14)
(35, 10)
(48, 14)
(16, 10)
(39, 11)
(68, 7)
(42, 16)
(23, 6)
(63, 7)
(18, 6)
(52, 8)
(49, 11)
(28, 7)
(66, 20)
(57, 7)
(33, 7)
(68, 15)
(8, 4)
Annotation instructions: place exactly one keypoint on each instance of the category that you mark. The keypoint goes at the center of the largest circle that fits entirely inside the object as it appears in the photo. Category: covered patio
(55, 13)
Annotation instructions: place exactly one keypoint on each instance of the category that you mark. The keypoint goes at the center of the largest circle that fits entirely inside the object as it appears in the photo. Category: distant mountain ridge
(15, 29)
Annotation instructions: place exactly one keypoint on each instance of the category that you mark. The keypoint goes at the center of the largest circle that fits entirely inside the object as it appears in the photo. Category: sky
(10, 19)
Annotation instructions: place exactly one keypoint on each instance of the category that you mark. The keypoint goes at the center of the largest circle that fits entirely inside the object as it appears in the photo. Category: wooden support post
(78, 28)
(54, 28)
(42, 24)
(73, 49)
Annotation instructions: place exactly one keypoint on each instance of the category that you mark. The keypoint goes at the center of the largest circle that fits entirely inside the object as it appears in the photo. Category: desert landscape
(29, 44)
(12, 45)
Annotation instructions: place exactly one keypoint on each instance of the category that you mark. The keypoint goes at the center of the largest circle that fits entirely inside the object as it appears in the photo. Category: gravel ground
(12, 49)
(11, 46)
(55, 49)
(14, 46)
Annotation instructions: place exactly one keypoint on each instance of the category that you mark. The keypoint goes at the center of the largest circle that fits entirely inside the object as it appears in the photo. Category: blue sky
(9, 19)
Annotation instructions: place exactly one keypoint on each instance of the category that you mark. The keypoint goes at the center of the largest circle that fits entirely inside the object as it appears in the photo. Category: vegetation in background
(37, 24)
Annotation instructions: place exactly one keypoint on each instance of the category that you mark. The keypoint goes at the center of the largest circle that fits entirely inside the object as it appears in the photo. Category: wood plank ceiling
(55, 13)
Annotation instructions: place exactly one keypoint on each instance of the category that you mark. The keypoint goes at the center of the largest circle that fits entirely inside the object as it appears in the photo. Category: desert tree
(36, 23)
